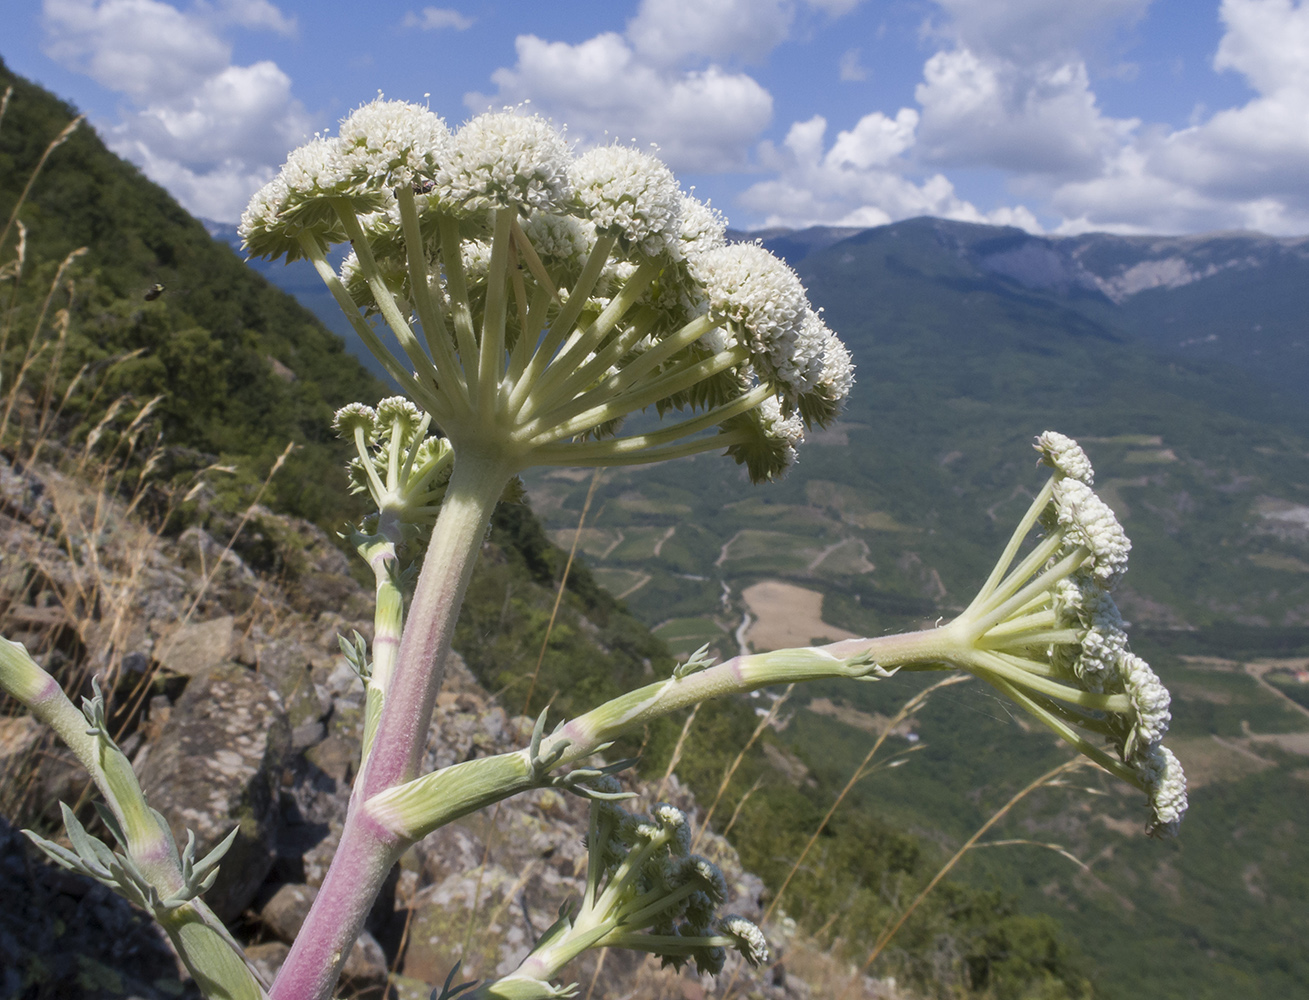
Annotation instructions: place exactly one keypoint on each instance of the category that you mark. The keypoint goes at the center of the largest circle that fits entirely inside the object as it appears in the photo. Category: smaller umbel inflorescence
(1046, 632)
(540, 297)
(645, 891)
(402, 468)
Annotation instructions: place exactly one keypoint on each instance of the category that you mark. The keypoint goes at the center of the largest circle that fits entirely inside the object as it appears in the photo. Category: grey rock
(195, 647)
(267, 957)
(60, 931)
(216, 764)
(285, 913)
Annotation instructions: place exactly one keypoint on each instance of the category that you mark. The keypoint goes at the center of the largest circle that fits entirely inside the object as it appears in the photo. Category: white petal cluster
(1162, 775)
(1081, 603)
(749, 286)
(392, 142)
(1065, 456)
(1088, 521)
(739, 314)
(673, 819)
(294, 202)
(562, 238)
(504, 160)
(701, 227)
(1150, 699)
(803, 365)
(787, 432)
(837, 378)
(631, 194)
(750, 940)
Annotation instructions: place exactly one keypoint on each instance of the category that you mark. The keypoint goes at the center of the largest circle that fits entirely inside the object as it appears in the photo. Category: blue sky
(1061, 116)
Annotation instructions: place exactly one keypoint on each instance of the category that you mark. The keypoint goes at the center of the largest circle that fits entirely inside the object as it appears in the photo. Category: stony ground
(237, 708)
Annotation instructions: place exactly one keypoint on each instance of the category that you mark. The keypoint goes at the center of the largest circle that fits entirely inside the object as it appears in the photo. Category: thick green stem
(456, 284)
(585, 342)
(425, 397)
(631, 450)
(1015, 542)
(492, 358)
(368, 848)
(209, 952)
(382, 295)
(451, 375)
(563, 322)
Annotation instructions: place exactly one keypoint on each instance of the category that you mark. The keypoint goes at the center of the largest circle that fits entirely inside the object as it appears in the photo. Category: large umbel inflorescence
(540, 297)
(1045, 630)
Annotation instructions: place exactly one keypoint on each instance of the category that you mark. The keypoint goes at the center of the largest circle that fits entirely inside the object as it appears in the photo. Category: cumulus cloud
(1242, 167)
(851, 69)
(702, 119)
(671, 78)
(860, 180)
(437, 19)
(1040, 119)
(1010, 88)
(209, 131)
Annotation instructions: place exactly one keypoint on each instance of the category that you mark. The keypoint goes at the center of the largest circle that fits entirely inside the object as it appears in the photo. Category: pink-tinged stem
(366, 853)
(368, 849)
(475, 485)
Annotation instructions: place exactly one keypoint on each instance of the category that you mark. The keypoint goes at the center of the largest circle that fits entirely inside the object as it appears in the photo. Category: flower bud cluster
(402, 468)
(659, 897)
(1049, 633)
(456, 235)
(644, 891)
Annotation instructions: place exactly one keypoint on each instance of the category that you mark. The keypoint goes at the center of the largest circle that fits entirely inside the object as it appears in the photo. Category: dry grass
(76, 548)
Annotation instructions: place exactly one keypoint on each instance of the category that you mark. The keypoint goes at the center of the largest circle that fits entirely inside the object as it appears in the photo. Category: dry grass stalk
(862, 771)
(736, 813)
(893, 928)
(559, 591)
(764, 722)
(677, 753)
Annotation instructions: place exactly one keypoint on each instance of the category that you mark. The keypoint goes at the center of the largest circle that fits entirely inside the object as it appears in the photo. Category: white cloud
(860, 180)
(671, 78)
(702, 119)
(1029, 32)
(256, 14)
(209, 131)
(851, 69)
(1039, 119)
(437, 19)
(668, 32)
(1242, 167)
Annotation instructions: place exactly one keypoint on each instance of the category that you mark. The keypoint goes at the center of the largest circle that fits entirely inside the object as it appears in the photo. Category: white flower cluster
(605, 233)
(391, 143)
(1088, 522)
(1076, 628)
(504, 160)
(631, 194)
(1065, 456)
(1162, 774)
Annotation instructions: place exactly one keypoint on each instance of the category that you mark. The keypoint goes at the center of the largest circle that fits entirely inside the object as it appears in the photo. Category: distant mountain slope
(243, 368)
(1238, 299)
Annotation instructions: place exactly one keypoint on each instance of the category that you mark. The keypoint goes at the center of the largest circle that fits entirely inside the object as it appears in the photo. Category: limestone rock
(194, 647)
(216, 764)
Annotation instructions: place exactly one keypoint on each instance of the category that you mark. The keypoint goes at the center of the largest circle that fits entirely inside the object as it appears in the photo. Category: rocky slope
(236, 707)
